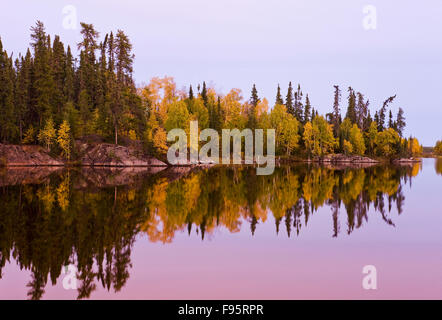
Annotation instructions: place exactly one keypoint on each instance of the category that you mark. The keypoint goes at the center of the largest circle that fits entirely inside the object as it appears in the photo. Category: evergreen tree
(351, 109)
(8, 127)
(382, 113)
(298, 107)
(361, 110)
(254, 100)
(204, 94)
(42, 84)
(390, 120)
(219, 118)
(278, 96)
(400, 122)
(22, 92)
(190, 92)
(336, 111)
(289, 100)
(307, 110)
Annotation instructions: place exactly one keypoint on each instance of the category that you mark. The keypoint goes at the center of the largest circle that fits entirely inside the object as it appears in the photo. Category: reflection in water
(90, 218)
(438, 165)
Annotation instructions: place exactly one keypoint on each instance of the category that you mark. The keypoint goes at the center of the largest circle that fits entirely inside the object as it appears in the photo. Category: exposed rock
(15, 155)
(110, 155)
(30, 175)
(113, 176)
(341, 158)
(407, 160)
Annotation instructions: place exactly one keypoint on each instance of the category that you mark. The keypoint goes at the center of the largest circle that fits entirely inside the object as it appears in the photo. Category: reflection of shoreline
(88, 176)
(91, 217)
(103, 177)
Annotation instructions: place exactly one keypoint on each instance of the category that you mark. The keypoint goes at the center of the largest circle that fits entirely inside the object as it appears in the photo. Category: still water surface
(222, 233)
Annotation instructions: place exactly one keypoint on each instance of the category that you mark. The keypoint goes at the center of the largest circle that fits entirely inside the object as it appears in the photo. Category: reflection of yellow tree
(98, 228)
(318, 185)
(47, 196)
(63, 194)
(438, 166)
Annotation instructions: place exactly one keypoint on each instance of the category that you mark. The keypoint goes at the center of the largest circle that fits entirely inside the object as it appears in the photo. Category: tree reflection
(63, 220)
(438, 165)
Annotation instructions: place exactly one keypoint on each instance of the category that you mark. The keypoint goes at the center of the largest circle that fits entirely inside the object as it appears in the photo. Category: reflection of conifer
(203, 228)
(277, 222)
(288, 221)
(335, 210)
(87, 277)
(253, 224)
(37, 285)
(189, 227)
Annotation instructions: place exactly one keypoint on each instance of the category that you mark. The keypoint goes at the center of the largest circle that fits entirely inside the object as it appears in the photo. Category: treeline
(50, 97)
(48, 86)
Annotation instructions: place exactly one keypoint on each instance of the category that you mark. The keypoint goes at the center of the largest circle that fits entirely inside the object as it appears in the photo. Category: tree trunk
(116, 134)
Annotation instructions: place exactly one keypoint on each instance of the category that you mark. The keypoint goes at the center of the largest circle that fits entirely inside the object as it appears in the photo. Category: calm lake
(221, 233)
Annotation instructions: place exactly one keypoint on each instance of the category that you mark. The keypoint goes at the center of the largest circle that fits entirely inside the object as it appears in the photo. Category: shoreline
(112, 156)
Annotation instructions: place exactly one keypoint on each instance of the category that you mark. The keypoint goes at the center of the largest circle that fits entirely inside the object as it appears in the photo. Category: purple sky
(238, 43)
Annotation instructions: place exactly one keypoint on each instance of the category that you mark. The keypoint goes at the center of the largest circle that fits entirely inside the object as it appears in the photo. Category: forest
(51, 98)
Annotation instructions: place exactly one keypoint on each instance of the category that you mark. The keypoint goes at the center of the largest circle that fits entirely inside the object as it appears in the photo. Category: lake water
(221, 233)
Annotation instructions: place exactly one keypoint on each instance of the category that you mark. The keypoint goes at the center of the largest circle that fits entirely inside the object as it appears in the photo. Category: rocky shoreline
(110, 155)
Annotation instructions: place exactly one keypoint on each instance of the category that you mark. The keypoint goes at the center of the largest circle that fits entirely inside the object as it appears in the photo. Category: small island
(59, 110)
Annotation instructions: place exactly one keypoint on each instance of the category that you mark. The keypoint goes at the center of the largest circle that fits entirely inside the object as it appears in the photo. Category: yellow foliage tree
(234, 113)
(385, 142)
(414, 147)
(438, 148)
(357, 140)
(370, 137)
(48, 134)
(319, 138)
(29, 135)
(64, 138)
(177, 116)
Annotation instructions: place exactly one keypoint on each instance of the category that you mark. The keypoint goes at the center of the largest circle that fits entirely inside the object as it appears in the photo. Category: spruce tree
(289, 100)
(8, 127)
(278, 96)
(204, 94)
(382, 112)
(307, 110)
(254, 100)
(190, 93)
(336, 111)
(298, 107)
(43, 83)
(400, 122)
(351, 109)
